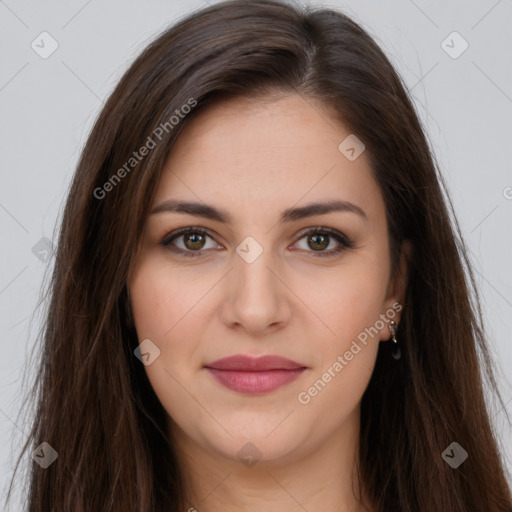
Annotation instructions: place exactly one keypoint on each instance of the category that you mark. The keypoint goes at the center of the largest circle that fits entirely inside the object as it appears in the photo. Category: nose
(256, 298)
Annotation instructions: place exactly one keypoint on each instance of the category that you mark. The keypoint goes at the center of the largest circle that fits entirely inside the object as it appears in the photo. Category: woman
(259, 300)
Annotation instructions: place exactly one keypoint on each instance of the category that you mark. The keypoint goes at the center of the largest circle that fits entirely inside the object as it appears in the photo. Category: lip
(246, 374)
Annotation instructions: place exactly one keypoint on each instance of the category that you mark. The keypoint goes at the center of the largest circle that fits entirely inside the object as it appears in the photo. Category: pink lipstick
(246, 374)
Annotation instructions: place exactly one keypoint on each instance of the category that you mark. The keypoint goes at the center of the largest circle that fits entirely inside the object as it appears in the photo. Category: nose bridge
(257, 297)
(253, 277)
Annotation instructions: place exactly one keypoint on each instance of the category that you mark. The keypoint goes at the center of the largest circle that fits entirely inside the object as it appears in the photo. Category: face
(252, 271)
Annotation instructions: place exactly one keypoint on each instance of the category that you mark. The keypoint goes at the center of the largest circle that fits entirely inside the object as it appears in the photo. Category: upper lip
(245, 363)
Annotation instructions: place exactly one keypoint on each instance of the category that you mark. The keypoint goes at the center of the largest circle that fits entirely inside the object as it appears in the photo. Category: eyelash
(345, 242)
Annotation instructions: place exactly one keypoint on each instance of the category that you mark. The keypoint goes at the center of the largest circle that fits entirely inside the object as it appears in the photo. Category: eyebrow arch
(289, 215)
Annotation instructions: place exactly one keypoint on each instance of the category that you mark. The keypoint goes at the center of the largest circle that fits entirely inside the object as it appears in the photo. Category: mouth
(245, 374)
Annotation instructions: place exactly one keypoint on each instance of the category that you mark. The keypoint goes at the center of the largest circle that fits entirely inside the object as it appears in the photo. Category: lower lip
(255, 382)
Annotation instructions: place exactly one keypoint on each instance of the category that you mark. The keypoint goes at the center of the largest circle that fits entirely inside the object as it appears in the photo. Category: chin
(257, 443)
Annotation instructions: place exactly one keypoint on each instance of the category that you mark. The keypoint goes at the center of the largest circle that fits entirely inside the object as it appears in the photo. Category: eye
(318, 239)
(193, 240)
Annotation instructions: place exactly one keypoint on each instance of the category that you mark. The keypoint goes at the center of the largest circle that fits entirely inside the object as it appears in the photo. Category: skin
(255, 158)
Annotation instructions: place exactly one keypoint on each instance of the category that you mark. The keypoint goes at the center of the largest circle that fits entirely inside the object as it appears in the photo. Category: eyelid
(323, 229)
(344, 241)
(167, 240)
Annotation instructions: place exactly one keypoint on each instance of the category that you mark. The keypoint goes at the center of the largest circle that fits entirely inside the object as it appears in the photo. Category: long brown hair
(95, 405)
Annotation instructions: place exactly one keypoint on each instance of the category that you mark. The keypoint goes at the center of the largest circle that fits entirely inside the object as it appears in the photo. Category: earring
(396, 353)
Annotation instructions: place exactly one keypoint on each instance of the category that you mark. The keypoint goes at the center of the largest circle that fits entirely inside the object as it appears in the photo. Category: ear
(395, 296)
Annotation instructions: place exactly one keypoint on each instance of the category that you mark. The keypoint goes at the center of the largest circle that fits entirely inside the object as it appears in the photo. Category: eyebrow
(289, 215)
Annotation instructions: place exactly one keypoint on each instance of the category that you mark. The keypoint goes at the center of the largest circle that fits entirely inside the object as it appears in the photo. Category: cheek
(166, 306)
(167, 309)
(165, 297)
(162, 304)
(348, 301)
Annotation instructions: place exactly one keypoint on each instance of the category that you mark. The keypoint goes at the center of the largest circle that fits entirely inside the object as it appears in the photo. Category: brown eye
(319, 239)
(194, 240)
(189, 242)
(318, 242)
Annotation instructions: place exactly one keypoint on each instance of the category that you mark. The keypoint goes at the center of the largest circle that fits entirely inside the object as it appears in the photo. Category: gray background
(48, 106)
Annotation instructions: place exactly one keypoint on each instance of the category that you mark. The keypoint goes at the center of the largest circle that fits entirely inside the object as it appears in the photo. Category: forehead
(253, 153)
